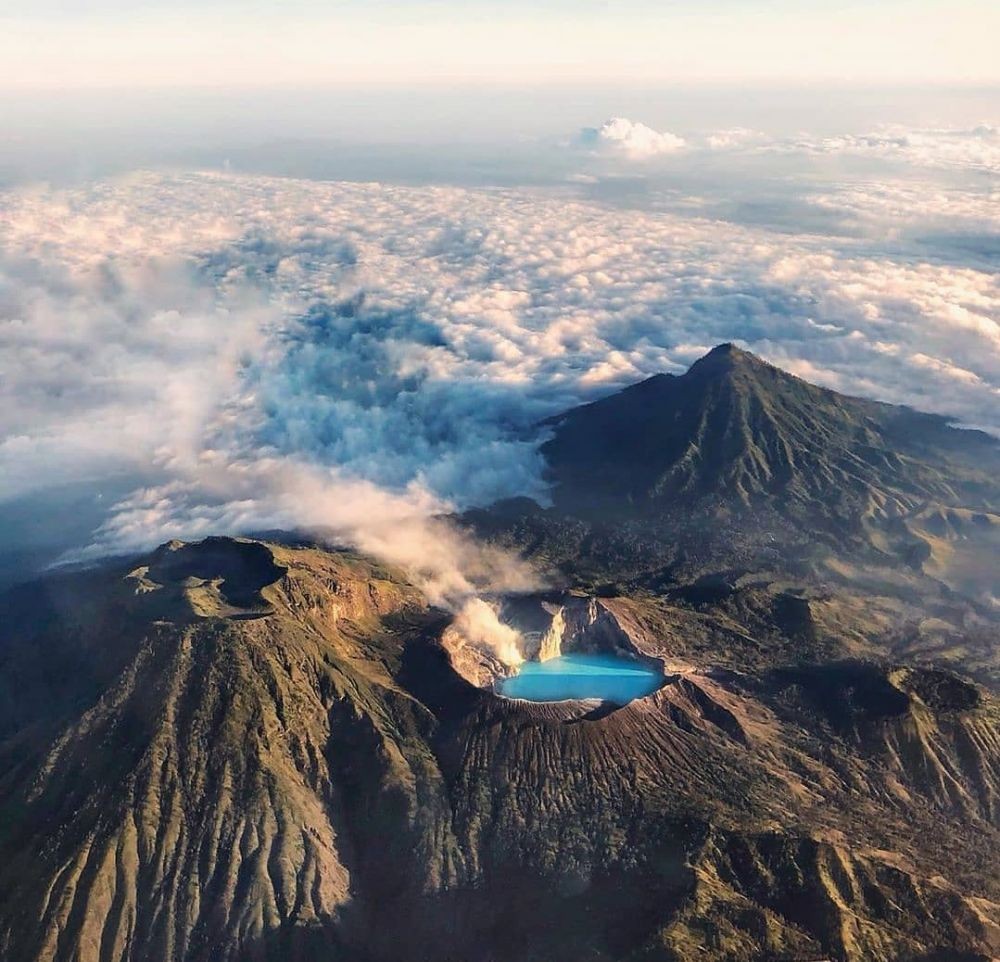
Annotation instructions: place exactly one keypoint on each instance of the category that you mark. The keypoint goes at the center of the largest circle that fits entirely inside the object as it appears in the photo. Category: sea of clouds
(216, 353)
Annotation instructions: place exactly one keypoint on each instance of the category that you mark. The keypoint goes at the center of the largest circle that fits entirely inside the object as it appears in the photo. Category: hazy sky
(114, 43)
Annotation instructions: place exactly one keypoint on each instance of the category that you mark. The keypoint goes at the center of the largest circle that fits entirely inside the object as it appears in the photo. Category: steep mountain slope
(737, 440)
(243, 750)
(255, 751)
(169, 788)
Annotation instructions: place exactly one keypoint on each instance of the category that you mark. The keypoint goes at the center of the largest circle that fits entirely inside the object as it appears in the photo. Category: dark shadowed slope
(735, 434)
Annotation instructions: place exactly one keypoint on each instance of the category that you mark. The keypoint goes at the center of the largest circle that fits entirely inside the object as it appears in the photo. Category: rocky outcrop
(781, 897)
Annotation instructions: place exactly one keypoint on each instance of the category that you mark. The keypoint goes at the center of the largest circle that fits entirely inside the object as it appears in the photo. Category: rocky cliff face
(566, 623)
(238, 750)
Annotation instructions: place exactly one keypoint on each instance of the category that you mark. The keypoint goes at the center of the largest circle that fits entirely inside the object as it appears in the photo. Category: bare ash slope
(245, 751)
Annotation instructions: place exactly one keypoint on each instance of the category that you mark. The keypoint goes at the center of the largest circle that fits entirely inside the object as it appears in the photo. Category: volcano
(737, 464)
(735, 434)
(250, 750)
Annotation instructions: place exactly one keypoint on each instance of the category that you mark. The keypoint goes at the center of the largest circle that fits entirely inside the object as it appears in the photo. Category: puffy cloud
(359, 358)
(627, 138)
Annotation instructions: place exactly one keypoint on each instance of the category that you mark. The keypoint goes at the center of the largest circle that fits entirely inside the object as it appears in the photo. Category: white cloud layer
(974, 148)
(970, 149)
(272, 353)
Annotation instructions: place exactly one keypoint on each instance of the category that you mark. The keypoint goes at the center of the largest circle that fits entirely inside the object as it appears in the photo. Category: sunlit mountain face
(499, 484)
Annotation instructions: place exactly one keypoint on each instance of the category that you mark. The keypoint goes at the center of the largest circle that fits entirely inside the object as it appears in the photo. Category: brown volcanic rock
(192, 807)
(240, 750)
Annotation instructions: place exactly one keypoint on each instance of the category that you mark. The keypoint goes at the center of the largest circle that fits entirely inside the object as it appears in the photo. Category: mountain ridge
(321, 781)
(265, 750)
(737, 440)
(760, 416)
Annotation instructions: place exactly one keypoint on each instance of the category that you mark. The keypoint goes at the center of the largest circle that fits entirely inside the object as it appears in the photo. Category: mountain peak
(727, 349)
(737, 433)
(726, 357)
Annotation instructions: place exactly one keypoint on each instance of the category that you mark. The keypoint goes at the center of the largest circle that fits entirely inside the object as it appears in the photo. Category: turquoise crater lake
(617, 680)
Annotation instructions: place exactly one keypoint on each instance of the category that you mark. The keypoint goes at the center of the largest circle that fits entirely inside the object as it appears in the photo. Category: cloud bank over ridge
(248, 352)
